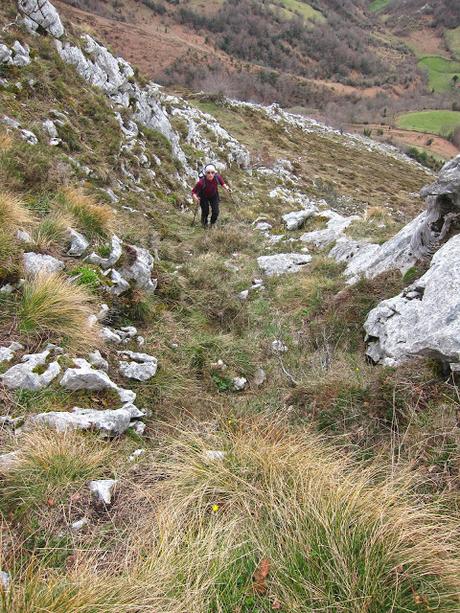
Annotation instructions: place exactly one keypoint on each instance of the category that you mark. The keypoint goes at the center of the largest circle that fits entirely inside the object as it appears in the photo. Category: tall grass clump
(56, 309)
(284, 519)
(13, 213)
(51, 231)
(49, 464)
(93, 219)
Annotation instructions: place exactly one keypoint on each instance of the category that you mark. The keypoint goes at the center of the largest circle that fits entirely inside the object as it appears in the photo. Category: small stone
(239, 383)
(103, 312)
(8, 461)
(138, 427)
(23, 236)
(112, 259)
(282, 263)
(279, 347)
(102, 490)
(243, 295)
(219, 365)
(81, 523)
(78, 243)
(5, 580)
(260, 377)
(95, 359)
(140, 341)
(214, 455)
(7, 353)
(136, 454)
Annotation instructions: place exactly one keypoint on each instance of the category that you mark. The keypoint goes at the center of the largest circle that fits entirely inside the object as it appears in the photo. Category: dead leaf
(75, 497)
(51, 502)
(276, 604)
(260, 575)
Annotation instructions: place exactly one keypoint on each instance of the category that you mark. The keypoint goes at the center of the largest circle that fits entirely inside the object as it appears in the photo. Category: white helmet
(210, 168)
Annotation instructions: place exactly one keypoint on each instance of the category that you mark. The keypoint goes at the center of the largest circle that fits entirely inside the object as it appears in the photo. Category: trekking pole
(195, 214)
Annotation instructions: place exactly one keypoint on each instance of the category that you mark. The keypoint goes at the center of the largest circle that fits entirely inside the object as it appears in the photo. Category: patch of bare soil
(426, 41)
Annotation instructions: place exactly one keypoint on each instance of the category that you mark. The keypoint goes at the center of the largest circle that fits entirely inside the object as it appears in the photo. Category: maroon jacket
(206, 188)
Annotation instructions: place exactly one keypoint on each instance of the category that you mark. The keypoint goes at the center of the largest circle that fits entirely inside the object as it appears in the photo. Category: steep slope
(158, 431)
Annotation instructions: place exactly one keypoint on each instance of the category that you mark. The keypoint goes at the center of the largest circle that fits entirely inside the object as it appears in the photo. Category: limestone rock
(136, 454)
(79, 524)
(7, 353)
(335, 227)
(41, 13)
(110, 422)
(112, 259)
(279, 347)
(119, 285)
(21, 55)
(78, 243)
(424, 320)
(140, 271)
(282, 263)
(35, 263)
(5, 580)
(23, 236)
(22, 376)
(214, 455)
(6, 55)
(8, 461)
(260, 376)
(239, 383)
(95, 359)
(102, 490)
(29, 137)
(142, 366)
(296, 219)
(84, 377)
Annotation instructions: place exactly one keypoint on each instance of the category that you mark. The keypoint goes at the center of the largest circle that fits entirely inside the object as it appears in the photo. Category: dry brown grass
(51, 232)
(13, 213)
(92, 218)
(53, 308)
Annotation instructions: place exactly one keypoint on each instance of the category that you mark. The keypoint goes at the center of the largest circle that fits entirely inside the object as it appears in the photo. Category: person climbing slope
(206, 193)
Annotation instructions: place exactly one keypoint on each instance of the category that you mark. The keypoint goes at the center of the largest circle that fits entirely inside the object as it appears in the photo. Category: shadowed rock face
(424, 320)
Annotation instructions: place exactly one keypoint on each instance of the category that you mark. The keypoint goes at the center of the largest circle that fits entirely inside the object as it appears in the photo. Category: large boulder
(41, 14)
(424, 320)
(421, 237)
(282, 263)
(335, 227)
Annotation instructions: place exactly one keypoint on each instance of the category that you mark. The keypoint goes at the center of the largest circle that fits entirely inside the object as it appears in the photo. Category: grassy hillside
(443, 74)
(336, 485)
(434, 122)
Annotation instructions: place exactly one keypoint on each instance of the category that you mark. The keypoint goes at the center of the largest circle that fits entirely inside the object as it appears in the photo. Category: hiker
(206, 192)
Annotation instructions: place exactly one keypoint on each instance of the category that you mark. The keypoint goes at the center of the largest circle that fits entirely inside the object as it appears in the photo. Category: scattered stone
(5, 580)
(142, 366)
(103, 312)
(335, 227)
(119, 285)
(29, 137)
(6, 55)
(243, 295)
(84, 377)
(78, 243)
(138, 427)
(136, 454)
(112, 259)
(8, 461)
(35, 263)
(296, 219)
(6, 289)
(81, 523)
(263, 226)
(102, 490)
(424, 320)
(282, 263)
(7, 353)
(279, 347)
(219, 365)
(260, 376)
(22, 376)
(239, 383)
(95, 359)
(214, 455)
(110, 422)
(23, 236)
(140, 341)
(140, 271)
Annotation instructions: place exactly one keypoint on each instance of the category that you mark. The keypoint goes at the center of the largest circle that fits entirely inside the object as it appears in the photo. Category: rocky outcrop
(334, 229)
(296, 219)
(283, 263)
(35, 263)
(111, 259)
(418, 239)
(109, 422)
(424, 320)
(33, 374)
(142, 366)
(41, 14)
(140, 270)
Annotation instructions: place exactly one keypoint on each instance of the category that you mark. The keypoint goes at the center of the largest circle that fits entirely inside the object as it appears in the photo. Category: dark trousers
(204, 204)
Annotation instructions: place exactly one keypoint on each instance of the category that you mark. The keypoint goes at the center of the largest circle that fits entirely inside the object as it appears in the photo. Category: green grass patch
(441, 72)
(453, 41)
(435, 122)
(294, 7)
(378, 5)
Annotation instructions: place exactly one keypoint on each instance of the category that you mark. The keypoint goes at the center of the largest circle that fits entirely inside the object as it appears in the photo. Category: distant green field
(435, 122)
(304, 9)
(453, 41)
(440, 71)
(378, 5)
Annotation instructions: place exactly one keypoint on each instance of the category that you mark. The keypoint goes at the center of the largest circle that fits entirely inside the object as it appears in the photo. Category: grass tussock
(336, 537)
(53, 308)
(92, 219)
(51, 231)
(49, 465)
(13, 213)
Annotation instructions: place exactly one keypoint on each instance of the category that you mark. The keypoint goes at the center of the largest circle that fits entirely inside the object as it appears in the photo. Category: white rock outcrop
(140, 270)
(8, 353)
(112, 258)
(296, 219)
(35, 263)
(25, 375)
(335, 227)
(41, 14)
(84, 377)
(142, 366)
(78, 243)
(282, 263)
(109, 422)
(424, 320)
